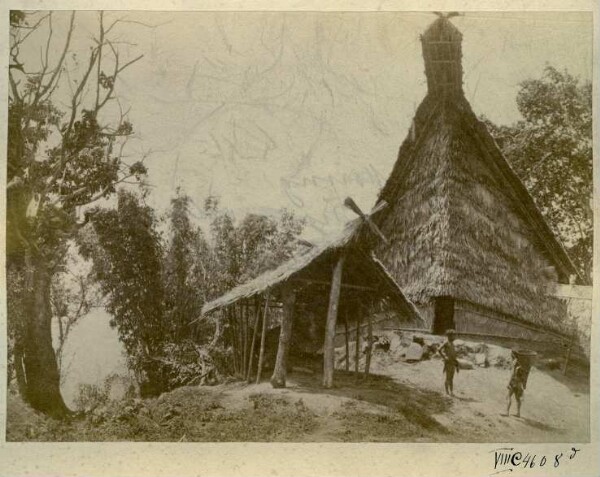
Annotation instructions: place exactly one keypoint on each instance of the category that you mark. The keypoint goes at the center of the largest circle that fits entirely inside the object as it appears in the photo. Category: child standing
(448, 353)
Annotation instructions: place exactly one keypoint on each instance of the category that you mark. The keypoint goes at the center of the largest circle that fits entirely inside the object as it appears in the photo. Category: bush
(91, 396)
(187, 363)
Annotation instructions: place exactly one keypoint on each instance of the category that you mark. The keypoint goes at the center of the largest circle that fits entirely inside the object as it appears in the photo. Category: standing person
(516, 385)
(448, 353)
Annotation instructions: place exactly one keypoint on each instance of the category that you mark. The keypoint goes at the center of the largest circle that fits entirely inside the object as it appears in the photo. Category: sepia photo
(300, 226)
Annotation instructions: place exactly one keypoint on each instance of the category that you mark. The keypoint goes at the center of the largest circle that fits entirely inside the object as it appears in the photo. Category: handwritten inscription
(508, 459)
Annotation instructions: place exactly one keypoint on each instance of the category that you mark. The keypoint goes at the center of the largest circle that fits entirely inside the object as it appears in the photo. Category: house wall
(476, 320)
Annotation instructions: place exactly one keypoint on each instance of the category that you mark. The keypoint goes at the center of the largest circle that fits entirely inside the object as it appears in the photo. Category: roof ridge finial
(447, 15)
(442, 52)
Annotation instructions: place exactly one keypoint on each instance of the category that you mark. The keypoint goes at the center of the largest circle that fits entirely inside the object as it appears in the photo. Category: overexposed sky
(300, 110)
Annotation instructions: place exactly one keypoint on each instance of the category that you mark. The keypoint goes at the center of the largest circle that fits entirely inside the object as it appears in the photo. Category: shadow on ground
(416, 406)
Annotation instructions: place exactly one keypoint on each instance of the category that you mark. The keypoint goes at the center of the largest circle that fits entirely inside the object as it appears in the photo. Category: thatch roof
(460, 221)
(360, 269)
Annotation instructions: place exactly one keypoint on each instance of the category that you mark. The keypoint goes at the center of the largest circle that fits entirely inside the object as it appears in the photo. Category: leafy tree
(155, 285)
(60, 158)
(551, 151)
(126, 251)
(185, 272)
(241, 252)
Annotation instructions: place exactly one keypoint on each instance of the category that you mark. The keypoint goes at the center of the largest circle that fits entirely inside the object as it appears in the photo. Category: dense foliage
(155, 284)
(551, 151)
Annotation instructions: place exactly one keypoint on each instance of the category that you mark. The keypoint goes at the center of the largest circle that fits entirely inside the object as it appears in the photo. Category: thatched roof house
(467, 243)
(310, 272)
(340, 274)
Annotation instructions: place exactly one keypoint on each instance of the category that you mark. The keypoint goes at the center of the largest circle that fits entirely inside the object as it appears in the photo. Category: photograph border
(293, 459)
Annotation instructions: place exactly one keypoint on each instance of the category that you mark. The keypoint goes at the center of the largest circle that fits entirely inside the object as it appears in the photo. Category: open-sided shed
(339, 273)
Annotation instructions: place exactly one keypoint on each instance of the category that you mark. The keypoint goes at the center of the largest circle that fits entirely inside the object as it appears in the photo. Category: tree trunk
(19, 371)
(39, 366)
(285, 335)
(332, 312)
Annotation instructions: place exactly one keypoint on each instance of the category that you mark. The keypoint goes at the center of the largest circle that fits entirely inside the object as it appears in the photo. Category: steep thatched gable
(460, 221)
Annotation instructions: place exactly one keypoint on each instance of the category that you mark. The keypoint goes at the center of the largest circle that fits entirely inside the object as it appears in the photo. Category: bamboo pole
(285, 336)
(238, 333)
(347, 339)
(369, 344)
(244, 320)
(263, 334)
(233, 338)
(255, 332)
(357, 351)
(328, 346)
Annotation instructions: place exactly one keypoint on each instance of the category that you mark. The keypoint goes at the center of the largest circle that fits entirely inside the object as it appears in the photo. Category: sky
(297, 110)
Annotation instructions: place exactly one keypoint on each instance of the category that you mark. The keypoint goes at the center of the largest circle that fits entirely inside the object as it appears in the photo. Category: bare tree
(60, 160)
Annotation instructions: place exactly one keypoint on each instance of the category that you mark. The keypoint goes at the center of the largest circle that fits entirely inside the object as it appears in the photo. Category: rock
(481, 360)
(414, 352)
(458, 343)
(474, 348)
(552, 363)
(419, 340)
(382, 343)
(464, 364)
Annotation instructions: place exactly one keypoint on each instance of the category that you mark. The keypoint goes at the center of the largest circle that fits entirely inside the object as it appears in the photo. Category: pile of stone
(414, 347)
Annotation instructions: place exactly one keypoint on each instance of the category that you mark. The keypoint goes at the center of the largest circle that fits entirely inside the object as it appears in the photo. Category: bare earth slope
(405, 406)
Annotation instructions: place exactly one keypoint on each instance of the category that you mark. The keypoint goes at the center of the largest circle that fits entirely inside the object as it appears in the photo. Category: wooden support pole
(244, 319)
(255, 332)
(369, 344)
(357, 351)
(347, 339)
(332, 311)
(233, 336)
(237, 313)
(263, 335)
(285, 335)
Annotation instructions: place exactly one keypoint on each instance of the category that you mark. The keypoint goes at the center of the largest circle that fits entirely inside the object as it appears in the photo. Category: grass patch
(188, 414)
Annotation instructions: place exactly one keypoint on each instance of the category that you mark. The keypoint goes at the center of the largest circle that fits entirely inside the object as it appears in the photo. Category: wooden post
(369, 344)
(237, 313)
(234, 340)
(328, 346)
(347, 339)
(261, 354)
(231, 338)
(285, 335)
(257, 313)
(244, 319)
(357, 351)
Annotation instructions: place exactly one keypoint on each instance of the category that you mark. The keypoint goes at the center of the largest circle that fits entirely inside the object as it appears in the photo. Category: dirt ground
(554, 409)
(401, 402)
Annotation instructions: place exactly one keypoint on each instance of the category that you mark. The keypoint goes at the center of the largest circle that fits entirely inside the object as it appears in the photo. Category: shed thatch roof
(460, 221)
(360, 269)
